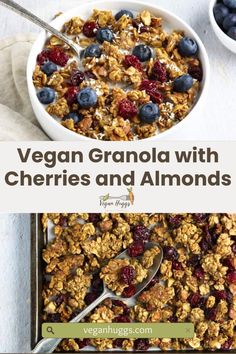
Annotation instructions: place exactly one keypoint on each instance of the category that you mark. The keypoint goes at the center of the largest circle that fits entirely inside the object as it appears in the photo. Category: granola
(128, 65)
(117, 273)
(195, 285)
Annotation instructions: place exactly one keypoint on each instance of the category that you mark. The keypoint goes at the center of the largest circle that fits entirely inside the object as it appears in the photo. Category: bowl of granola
(141, 72)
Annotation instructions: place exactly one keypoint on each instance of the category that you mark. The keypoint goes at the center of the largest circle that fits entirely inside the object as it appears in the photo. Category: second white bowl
(228, 42)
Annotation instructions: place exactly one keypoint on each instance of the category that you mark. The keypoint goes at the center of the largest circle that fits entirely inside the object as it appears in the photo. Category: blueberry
(93, 51)
(46, 95)
(142, 52)
(188, 47)
(170, 253)
(231, 4)
(87, 97)
(49, 68)
(149, 112)
(75, 116)
(220, 12)
(232, 32)
(229, 21)
(122, 13)
(104, 34)
(81, 56)
(183, 83)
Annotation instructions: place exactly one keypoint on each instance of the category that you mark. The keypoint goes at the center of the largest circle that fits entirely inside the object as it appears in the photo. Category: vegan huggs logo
(123, 201)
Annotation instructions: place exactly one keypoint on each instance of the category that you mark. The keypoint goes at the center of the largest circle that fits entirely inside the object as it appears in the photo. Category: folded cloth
(17, 120)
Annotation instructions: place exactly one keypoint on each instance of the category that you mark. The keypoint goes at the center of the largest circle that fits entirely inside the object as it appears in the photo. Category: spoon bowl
(151, 271)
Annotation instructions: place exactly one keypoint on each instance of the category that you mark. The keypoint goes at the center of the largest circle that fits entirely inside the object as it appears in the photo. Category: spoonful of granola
(125, 276)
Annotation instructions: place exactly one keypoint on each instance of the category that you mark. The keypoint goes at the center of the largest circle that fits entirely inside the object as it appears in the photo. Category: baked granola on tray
(133, 80)
(195, 283)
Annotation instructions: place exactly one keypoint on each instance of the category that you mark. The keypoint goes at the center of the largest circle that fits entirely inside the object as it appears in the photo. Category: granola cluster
(118, 274)
(195, 283)
(122, 83)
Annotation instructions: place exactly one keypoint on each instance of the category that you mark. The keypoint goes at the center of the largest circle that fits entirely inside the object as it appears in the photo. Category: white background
(218, 122)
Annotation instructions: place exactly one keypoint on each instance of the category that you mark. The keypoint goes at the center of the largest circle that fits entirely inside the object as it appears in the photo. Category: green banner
(118, 330)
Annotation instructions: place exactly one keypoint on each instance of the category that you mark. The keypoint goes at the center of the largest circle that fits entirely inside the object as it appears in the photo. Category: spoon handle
(12, 5)
(89, 308)
(48, 345)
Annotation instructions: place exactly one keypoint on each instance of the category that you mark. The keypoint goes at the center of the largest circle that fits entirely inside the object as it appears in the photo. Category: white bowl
(228, 42)
(56, 131)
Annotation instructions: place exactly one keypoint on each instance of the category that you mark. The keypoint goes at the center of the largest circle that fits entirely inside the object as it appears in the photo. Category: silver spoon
(12, 5)
(49, 345)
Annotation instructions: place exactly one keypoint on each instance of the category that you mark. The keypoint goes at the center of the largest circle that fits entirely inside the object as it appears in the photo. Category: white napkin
(17, 120)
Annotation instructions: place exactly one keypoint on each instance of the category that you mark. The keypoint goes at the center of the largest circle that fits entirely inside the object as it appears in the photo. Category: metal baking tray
(39, 240)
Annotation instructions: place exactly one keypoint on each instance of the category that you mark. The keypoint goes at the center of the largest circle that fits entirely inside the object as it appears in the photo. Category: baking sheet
(39, 240)
(37, 244)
